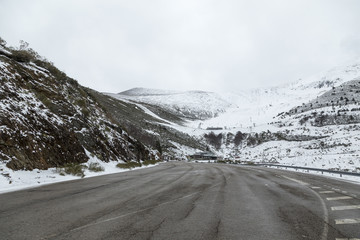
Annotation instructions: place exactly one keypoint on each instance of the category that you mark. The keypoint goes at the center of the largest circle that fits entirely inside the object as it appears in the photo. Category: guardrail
(310, 169)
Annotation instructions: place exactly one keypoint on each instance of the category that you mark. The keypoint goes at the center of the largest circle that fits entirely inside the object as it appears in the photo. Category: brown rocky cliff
(47, 120)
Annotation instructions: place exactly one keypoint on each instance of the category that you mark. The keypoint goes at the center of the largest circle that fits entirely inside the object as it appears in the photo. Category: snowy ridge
(147, 92)
(302, 139)
(191, 104)
(334, 77)
(245, 109)
(259, 106)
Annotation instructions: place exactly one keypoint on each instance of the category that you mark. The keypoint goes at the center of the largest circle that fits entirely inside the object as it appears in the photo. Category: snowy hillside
(147, 92)
(47, 120)
(241, 110)
(189, 105)
(257, 107)
(261, 125)
(313, 122)
(334, 77)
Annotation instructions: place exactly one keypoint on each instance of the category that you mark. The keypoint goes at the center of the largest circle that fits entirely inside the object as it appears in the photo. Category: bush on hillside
(21, 56)
(95, 167)
(149, 162)
(128, 165)
(73, 169)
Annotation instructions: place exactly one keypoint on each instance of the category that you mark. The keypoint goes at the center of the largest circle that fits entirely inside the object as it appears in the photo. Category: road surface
(178, 200)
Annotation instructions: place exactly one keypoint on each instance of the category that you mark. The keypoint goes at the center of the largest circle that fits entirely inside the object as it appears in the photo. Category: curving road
(179, 200)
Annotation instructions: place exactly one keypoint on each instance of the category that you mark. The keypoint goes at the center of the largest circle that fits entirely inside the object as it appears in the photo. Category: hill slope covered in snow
(310, 122)
(188, 105)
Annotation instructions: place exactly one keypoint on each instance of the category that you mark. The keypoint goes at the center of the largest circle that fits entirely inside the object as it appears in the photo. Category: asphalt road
(186, 201)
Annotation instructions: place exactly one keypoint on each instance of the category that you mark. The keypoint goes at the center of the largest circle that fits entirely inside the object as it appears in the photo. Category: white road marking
(315, 187)
(347, 221)
(335, 189)
(347, 238)
(338, 198)
(295, 180)
(326, 192)
(344, 191)
(345, 207)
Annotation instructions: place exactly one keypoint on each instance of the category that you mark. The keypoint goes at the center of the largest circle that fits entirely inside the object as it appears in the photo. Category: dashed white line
(347, 238)
(326, 192)
(338, 198)
(315, 187)
(347, 221)
(339, 208)
(295, 180)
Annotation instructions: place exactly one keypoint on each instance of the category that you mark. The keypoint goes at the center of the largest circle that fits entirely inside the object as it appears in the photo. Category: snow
(152, 132)
(22, 179)
(148, 92)
(245, 111)
(198, 104)
(36, 69)
(255, 111)
(257, 107)
(5, 50)
(182, 151)
(347, 178)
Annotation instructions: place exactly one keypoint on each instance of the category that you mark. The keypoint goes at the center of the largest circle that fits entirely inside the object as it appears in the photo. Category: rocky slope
(47, 119)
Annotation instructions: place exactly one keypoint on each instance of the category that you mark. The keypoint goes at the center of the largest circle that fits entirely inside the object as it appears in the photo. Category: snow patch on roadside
(347, 178)
(17, 180)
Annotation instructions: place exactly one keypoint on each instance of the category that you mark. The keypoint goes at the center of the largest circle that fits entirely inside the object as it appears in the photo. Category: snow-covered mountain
(189, 105)
(263, 125)
(256, 107)
(313, 122)
(259, 106)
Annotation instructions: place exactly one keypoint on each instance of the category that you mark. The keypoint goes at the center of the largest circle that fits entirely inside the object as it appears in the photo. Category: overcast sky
(223, 45)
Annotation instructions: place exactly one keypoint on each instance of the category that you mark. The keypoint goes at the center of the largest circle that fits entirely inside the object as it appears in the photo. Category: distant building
(203, 156)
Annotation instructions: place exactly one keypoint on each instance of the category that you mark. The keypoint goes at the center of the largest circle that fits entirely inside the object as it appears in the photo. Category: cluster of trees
(214, 139)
